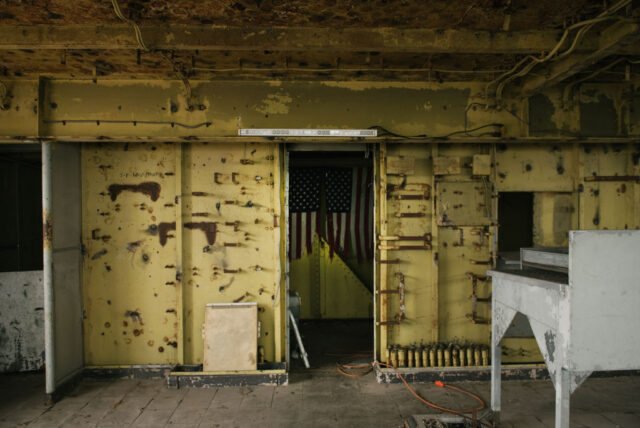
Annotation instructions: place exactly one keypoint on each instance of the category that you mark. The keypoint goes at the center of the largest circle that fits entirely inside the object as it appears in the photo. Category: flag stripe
(367, 193)
(357, 216)
(291, 237)
(308, 232)
(298, 235)
(318, 225)
(348, 221)
(330, 233)
(339, 241)
(347, 234)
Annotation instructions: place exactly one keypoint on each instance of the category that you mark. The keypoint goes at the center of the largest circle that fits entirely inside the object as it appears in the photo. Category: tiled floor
(321, 399)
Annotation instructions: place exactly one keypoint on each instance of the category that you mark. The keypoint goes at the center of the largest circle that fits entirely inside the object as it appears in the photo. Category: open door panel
(61, 201)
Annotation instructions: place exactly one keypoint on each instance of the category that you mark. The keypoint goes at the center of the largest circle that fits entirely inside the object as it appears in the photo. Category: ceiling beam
(610, 41)
(303, 140)
(217, 38)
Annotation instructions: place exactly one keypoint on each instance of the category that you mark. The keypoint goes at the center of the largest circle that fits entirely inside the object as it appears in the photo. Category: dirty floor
(317, 400)
(319, 397)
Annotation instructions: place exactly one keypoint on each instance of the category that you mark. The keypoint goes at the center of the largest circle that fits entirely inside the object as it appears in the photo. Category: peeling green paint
(598, 118)
(541, 111)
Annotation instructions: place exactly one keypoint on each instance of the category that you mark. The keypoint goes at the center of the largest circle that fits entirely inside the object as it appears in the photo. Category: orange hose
(435, 406)
(359, 366)
(441, 384)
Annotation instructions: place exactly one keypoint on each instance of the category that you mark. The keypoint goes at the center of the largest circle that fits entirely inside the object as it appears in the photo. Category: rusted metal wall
(574, 187)
(406, 171)
(327, 286)
(169, 228)
(130, 275)
(148, 208)
(157, 109)
(231, 238)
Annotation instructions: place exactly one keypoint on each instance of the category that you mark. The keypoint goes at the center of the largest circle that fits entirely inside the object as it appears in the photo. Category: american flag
(304, 209)
(349, 210)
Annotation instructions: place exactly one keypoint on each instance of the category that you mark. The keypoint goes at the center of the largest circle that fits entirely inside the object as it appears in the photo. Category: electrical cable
(385, 132)
(132, 122)
(466, 131)
(530, 66)
(177, 68)
(346, 69)
(566, 93)
(368, 367)
(587, 24)
(134, 25)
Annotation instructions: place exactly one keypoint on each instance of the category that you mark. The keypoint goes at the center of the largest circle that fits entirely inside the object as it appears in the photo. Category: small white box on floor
(230, 336)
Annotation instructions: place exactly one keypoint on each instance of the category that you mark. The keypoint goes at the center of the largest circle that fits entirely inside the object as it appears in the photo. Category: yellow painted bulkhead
(159, 288)
(327, 286)
(169, 228)
(462, 219)
(237, 187)
(130, 292)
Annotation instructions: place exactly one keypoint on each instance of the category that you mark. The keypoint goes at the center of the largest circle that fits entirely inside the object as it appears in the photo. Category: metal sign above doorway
(288, 132)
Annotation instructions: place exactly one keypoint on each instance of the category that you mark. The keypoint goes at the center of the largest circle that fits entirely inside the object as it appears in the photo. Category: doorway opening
(21, 216)
(515, 217)
(330, 202)
(21, 317)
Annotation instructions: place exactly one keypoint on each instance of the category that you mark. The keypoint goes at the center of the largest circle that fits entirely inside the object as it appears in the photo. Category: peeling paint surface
(205, 230)
(127, 285)
(237, 257)
(275, 104)
(541, 111)
(408, 108)
(550, 341)
(599, 117)
(21, 321)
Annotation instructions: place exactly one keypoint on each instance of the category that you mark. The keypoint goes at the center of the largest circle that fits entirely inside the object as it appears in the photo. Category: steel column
(47, 267)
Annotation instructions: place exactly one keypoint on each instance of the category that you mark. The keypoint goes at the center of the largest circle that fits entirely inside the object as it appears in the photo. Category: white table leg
(496, 363)
(563, 394)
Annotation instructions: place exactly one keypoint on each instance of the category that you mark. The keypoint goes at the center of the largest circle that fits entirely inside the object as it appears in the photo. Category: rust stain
(149, 188)
(47, 230)
(135, 316)
(208, 227)
(96, 237)
(163, 231)
(241, 298)
(132, 246)
(99, 254)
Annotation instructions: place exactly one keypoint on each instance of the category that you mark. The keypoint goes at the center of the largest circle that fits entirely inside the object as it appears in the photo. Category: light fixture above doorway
(289, 132)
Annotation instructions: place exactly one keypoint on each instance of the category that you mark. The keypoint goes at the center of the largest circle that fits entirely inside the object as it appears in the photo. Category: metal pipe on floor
(47, 269)
(305, 357)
